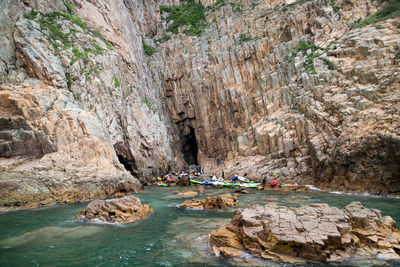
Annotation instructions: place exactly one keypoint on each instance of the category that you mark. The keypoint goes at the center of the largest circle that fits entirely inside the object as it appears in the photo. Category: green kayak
(195, 181)
(163, 185)
(226, 185)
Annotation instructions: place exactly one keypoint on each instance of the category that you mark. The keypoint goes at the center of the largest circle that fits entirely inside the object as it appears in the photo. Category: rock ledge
(220, 202)
(123, 210)
(315, 232)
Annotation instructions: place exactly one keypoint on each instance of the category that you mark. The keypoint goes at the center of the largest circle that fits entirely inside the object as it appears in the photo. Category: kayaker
(264, 180)
(273, 183)
(223, 175)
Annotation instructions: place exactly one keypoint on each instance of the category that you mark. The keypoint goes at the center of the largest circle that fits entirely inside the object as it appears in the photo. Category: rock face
(315, 232)
(77, 121)
(122, 210)
(276, 87)
(220, 202)
(325, 114)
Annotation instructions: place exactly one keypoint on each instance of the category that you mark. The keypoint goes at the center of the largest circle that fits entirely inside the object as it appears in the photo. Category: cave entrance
(128, 165)
(126, 158)
(190, 148)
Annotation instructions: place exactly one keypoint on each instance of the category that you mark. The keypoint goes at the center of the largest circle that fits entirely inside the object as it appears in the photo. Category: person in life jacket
(273, 183)
(169, 180)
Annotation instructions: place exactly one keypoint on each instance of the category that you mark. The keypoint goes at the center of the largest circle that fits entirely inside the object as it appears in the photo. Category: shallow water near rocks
(170, 237)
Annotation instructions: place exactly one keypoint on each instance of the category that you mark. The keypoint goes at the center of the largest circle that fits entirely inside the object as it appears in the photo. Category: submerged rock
(187, 194)
(315, 232)
(220, 202)
(123, 210)
(241, 191)
(50, 233)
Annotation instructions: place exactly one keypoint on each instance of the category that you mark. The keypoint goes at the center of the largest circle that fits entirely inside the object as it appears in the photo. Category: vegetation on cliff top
(390, 9)
(65, 38)
(190, 14)
(57, 36)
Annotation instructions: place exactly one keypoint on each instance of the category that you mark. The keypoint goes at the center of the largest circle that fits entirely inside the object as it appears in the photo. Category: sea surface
(52, 236)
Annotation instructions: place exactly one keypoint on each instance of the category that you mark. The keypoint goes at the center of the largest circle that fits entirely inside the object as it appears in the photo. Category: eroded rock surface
(123, 210)
(220, 202)
(315, 232)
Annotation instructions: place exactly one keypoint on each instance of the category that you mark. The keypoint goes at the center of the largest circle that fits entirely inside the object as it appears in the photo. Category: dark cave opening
(190, 148)
(126, 158)
(127, 164)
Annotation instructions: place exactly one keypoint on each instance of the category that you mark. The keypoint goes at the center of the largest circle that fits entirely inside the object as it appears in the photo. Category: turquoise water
(169, 237)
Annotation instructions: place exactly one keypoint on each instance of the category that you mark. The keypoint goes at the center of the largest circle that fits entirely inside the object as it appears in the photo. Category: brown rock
(315, 232)
(229, 252)
(219, 202)
(223, 237)
(123, 210)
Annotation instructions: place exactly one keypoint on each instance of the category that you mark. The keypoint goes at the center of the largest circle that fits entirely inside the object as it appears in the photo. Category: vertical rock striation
(290, 90)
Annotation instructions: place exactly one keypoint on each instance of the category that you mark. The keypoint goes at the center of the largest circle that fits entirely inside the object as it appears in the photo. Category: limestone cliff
(93, 89)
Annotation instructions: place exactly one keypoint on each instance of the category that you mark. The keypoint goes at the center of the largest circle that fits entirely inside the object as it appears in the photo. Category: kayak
(207, 183)
(226, 184)
(244, 180)
(195, 181)
(162, 184)
(250, 185)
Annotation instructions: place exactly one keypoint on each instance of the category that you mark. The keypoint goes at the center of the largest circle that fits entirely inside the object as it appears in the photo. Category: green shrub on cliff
(245, 37)
(335, 8)
(312, 48)
(390, 9)
(189, 13)
(117, 83)
(163, 39)
(148, 50)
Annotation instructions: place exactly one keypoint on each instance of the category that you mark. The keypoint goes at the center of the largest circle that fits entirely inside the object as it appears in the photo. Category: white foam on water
(336, 192)
(100, 222)
(194, 209)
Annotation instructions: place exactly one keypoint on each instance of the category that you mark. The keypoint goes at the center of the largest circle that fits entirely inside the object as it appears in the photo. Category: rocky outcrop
(316, 232)
(220, 202)
(122, 210)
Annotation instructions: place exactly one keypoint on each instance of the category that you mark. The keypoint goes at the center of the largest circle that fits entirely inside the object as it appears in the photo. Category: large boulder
(219, 202)
(123, 210)
(316, 232)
